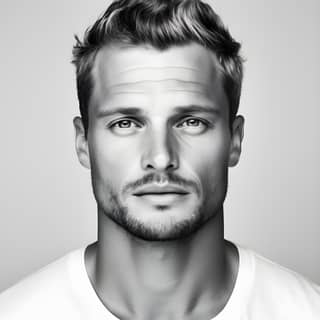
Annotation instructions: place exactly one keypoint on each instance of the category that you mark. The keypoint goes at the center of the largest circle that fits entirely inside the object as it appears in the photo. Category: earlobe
(81, 143)
(236, 140)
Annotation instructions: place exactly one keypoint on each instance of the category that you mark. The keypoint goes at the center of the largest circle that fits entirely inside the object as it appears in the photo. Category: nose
(160, 152)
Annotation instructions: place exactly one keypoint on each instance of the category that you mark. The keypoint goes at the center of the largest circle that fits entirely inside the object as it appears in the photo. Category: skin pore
(160, 118)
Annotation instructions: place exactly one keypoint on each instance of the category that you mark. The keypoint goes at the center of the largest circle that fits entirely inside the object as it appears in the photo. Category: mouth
(160, 191)
(162, 198)
(165, 195)
(141, 194)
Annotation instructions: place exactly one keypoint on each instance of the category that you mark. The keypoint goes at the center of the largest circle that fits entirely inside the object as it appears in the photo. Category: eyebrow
(134, 111)
(197, 108)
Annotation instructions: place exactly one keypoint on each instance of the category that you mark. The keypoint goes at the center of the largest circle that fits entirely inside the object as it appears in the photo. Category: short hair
(161, 24)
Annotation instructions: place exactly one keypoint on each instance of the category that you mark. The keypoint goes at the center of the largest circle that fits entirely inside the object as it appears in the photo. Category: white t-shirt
(62, 290)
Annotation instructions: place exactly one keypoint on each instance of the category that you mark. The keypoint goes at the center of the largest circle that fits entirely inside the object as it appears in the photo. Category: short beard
(111, 207)
(177, 231)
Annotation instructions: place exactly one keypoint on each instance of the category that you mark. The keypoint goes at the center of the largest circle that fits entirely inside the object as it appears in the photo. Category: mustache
(169, 177)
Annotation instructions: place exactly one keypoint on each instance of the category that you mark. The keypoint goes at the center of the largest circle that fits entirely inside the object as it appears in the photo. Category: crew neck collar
(90, 300)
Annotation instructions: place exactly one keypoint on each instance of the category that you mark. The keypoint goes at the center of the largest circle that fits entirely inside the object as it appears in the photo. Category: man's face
(159, 142)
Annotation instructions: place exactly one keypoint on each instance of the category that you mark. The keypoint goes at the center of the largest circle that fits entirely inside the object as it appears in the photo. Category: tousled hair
(161, 24)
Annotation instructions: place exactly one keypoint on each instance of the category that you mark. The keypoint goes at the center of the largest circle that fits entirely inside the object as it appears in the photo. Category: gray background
(47, 207)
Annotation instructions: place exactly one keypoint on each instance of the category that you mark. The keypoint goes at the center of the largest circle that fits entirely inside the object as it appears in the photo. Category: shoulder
(281, 292)
(39, 294)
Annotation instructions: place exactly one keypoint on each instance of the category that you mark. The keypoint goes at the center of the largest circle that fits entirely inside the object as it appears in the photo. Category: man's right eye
(124, 126)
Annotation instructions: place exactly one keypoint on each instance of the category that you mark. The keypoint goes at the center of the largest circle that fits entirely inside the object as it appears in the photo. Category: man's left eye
(193, 126)
(193, 122)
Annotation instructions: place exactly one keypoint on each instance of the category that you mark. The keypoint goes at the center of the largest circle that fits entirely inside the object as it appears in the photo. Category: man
(159, 86)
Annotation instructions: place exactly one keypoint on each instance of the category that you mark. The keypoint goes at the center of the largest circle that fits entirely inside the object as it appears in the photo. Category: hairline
(118, 44)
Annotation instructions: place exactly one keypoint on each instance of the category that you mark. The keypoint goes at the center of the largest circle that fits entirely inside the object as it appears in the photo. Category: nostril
(159, 157)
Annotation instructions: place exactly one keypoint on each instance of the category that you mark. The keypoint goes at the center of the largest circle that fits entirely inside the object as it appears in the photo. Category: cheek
(212, 166)
(111, 159)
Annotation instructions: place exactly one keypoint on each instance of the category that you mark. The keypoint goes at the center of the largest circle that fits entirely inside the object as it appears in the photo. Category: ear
(236, 140)
(81, 143)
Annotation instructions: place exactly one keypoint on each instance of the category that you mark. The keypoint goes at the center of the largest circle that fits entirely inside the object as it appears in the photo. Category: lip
(158, 190)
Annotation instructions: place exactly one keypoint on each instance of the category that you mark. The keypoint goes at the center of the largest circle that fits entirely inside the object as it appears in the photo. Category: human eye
(193, 125)
(124, 126)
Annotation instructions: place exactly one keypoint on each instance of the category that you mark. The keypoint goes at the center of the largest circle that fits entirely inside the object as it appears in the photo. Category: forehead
(188, 68)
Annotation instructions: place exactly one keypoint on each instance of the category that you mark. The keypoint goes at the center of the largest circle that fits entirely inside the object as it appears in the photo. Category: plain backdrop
(46, 203)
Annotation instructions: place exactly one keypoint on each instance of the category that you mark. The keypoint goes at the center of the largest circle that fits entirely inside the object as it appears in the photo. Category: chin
(161, 225)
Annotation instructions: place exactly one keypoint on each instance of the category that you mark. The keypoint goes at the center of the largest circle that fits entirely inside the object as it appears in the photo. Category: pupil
(125, 123)
(192, 122)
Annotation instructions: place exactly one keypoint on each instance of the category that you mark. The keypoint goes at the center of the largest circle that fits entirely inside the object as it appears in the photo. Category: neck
(184, 279)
